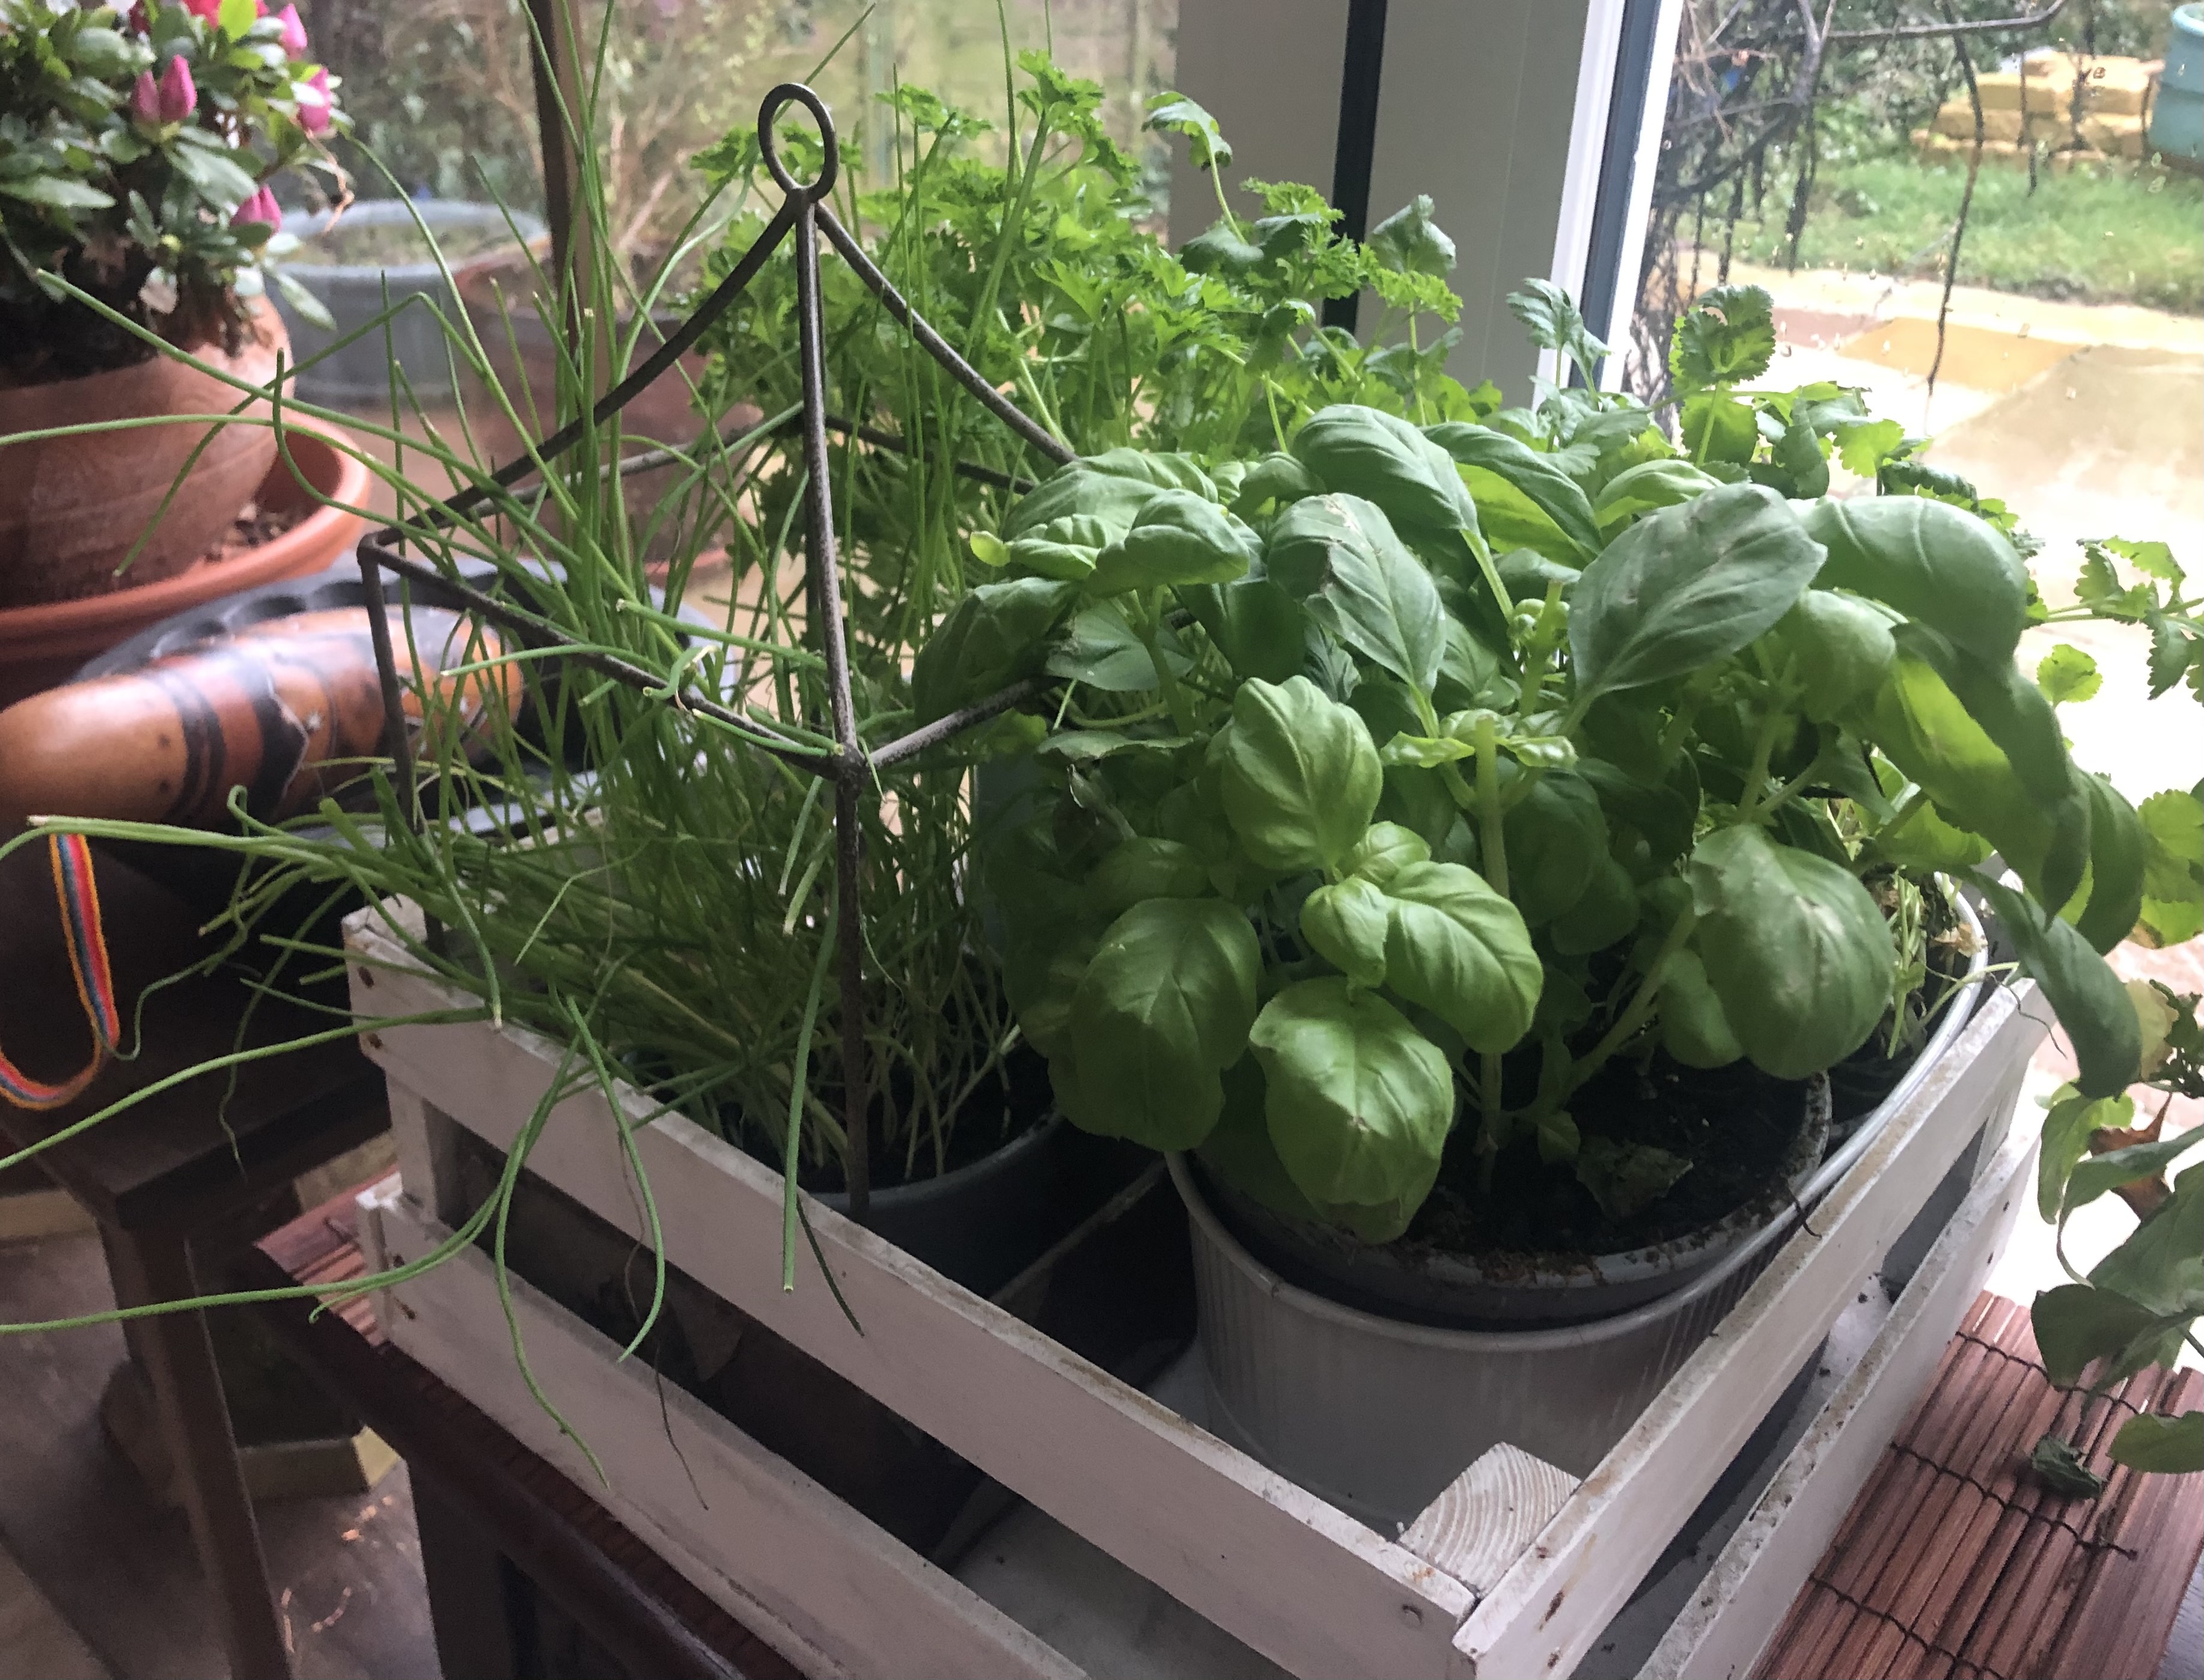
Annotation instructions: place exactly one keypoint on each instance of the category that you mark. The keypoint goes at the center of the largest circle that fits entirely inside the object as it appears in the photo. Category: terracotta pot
(41, 646)
(71, 507)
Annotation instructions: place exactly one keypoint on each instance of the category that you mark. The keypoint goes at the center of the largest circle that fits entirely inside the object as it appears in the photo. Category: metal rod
(937, 346)
(397, 739)
(955, 722)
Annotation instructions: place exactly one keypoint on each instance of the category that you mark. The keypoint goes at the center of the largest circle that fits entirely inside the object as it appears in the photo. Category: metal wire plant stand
(805, 214)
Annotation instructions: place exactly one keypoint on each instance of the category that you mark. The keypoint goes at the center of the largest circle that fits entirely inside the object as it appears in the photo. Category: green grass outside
(2137, 236)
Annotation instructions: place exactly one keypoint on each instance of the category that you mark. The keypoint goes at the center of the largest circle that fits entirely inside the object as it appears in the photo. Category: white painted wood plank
(1486, 1517)
(833, 1591)
(1746, 1596)
(1310, 1587)
(1548, 1610)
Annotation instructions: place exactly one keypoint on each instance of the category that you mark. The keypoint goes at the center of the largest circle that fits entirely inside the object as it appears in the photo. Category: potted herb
(135, 194)
(1409, 885)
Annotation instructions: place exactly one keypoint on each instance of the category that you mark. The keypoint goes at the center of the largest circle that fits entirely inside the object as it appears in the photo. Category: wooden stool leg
(179, 1360)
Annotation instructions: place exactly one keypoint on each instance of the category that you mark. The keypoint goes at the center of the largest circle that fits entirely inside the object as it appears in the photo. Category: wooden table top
(204, 1146)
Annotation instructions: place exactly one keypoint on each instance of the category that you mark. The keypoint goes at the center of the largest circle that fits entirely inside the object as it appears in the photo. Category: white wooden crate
(1297, 1580)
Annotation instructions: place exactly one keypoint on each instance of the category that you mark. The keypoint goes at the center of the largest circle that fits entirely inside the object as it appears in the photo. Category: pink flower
(294, 38)
(260, 207)
(179, 97)
(145, 99)
(313, 96)
(206, 11)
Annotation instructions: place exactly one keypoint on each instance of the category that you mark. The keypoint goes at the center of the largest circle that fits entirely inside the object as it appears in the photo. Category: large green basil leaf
(1277, 478)
(1605, 913)
(1687, 586)
(2173, 865)
(1460, 950)
(2117, 851)
(1526, 574)
(1100, 649)
(1560, 503)
(1178, 537)
(1665, 814)
(1647, 487)
(1079, 503)
(1694, 1030)
(1381, 458)
(1298, 774)
(994, 636)
(1143, 867)
(1162, 1009)
(1258, 628)
(2166, 1446)
(1794, 947)
(1556, 834)
(1358, 1101)
(1920, 726)
(1345, 925)
(2087, 996)
(1338, 556)
(1843, 649)
(1383, 852)
(1934, 562)
(2020, 718)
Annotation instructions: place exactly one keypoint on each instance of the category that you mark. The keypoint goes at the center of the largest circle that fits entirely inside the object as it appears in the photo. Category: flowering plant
(136, 150)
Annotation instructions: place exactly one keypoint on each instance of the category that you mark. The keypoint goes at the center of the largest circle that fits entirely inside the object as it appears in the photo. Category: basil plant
(1369, 762)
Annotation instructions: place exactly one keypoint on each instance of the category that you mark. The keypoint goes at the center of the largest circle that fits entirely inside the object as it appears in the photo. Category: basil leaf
(1844, 650)
(1358, 1102)
(2116, 852)
(2173, 866)
(1382, 852)
(1162, 1009)
(1558, 498)
(1258, 628)
(1605, 913)
(2167, 1445)
(1647, 487)
(1142, 868)
(1298, 774)
(1338, 556)
(1460, 950)
(1687, 586)
(1100, 649)
(1934, 562)
(1795, 947)
(994, 636)
(1556, 834)
(2087, 996)
(1694, 1030)
(1177, 538)
(1380, 457)
(1345, 925)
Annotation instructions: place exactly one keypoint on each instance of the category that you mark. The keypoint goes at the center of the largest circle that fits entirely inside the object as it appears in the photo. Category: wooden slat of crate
(2036, 1583)
(1267, 1561)
(1546, 1612)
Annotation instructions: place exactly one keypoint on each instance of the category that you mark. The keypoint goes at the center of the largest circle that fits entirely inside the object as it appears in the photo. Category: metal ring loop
(769, 110)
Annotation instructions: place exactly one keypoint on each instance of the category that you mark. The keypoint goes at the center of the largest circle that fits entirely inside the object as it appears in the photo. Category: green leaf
(1109, 489)
(2076, 1325)
(1176, 114)
(217, 180)
(2154, 558)
(1934, 563)
(2116, 852)
(1221, 250)
(58, 192)
(2160, 1266)
(1864, 446)
(1143, 867)
(1277, 478)
(1162, 1009)
(1627, 1178)
(1380, 457)
(1409, 241)
(2067, 673)
(301, 298)
(1359, 1102)
(1795, 947)
(1345, 925)
(2099, 587)
(2087, 996)
(1798, 457)
(2175, 650)
(1259, 629)
(1550, 316)
(1557, 835)
(237, 16)
(2100, 1173)
(2166, 1446)
(1647, 487)
(1558, 499)
(1338, 556)
(1461, 951)
(2067, 1124)
(1179, 537)
(1298, 774)
(1725, 338)
(2173, 866)
(1718, 430)
(2063, 1471)
(1383, 852)
(1843, 648)
(1604, 913)
(993, 637)
(1687, 586)
(1694, 1030)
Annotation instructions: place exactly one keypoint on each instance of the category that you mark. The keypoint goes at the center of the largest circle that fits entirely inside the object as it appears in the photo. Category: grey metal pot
(1376, 1414)
(355, 294)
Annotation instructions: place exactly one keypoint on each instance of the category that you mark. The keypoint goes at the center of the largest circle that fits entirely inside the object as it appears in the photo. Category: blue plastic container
(353, 295)
(2177, 114)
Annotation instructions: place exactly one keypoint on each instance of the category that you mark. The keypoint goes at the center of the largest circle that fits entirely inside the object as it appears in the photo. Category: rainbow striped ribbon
(95, 983)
